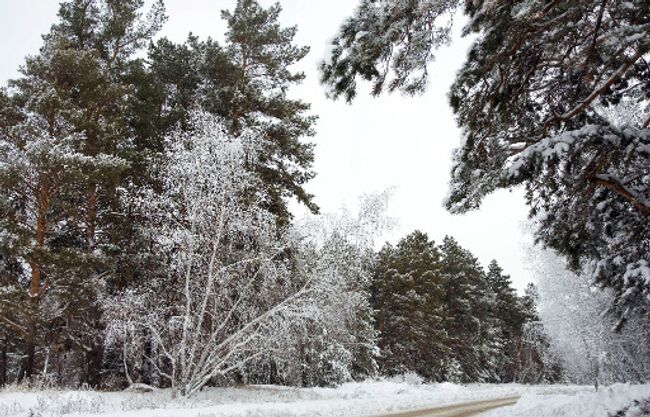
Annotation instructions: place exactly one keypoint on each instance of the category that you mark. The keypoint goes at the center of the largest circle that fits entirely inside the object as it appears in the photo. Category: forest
(147, 236)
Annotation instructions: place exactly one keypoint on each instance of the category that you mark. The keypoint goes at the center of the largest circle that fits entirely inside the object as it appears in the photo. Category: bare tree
(573, 312)
(227, 295)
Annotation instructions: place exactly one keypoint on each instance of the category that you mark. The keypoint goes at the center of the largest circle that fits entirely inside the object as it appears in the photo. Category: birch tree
(339, 252)
(228, 296)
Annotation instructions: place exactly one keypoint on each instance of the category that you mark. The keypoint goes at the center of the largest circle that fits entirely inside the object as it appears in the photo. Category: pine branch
(596, 93)
(15, 326)
(613, 184)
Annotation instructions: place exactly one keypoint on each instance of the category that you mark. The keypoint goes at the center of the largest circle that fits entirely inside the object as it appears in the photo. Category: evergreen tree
(511, 315)
(439, 314)
(245, 81)
(469, 320)
(64, 135)
(38, 164)
(408, 296)
(554, 96)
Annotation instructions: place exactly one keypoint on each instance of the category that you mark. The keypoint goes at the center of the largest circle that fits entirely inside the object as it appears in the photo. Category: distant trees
(408, 296)
(553, 96)
(535, 360)
(441, 315)
(512, 315)
(580, 333)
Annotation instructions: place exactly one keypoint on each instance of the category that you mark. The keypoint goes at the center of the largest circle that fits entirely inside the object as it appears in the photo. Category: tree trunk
(27, 367)
(94, 357)
(35, 279)
(146, 367)
(94, 360)
(3, 362)
(91, 217)
(42, 206)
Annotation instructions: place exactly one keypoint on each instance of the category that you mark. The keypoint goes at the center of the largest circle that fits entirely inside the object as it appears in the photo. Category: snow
(604, 403)
(352, 399)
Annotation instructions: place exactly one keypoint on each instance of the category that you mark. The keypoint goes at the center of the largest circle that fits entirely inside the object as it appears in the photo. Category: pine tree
(245, 81)
(511, 315)
(471, 326)
(64, 135)
(553, 95)
(439, 314)
(408, 296)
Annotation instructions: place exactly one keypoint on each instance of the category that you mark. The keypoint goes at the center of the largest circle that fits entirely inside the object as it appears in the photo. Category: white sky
(373, 144)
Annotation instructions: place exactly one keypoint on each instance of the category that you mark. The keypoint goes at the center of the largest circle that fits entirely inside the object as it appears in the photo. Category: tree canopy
(553, 96)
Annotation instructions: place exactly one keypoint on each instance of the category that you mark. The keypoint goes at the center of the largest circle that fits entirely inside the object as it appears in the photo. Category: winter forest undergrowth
(147, 240)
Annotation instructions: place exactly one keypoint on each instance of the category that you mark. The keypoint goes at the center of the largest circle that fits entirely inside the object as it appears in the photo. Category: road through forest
(468, 409)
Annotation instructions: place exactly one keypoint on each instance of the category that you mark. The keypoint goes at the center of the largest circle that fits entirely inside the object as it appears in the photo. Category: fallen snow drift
(605, 403)
(353, 399)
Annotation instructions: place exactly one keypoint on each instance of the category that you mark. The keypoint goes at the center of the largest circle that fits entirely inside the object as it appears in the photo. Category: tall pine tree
(247, 82)
(408, 296)
(66, 145)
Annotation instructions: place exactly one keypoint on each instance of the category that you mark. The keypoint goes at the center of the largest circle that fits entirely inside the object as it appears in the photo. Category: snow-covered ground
(354, 399)
(607, 402)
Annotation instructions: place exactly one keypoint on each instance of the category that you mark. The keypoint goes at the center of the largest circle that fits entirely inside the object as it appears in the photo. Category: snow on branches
(571, 310)
(234, 290)
(554, 96)
(226, 292)
(390, 43)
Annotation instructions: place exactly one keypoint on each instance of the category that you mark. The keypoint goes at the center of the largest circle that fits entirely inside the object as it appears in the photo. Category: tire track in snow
(468, 409)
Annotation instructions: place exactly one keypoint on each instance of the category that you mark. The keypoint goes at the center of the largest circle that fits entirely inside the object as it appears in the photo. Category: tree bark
(27, 366)
(94, 360)
(35, 279)
(42, 203)
(91, 217)
(614, 185)
(3, 362)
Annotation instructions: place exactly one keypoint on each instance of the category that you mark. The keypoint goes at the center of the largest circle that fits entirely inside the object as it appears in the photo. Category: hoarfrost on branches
(580, 334)
(237, 292)
(226, 296)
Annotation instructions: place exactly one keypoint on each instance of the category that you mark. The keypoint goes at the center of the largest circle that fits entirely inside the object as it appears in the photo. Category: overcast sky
(373, 144)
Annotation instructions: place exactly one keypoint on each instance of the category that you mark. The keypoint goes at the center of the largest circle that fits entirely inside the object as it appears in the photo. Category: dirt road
(469, 409)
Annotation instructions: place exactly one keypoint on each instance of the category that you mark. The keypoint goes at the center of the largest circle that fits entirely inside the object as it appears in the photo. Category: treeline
(441, 315)
(145, 236)
(89, 121)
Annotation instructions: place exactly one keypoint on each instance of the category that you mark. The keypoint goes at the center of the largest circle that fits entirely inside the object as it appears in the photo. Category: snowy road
(383, 398)
(468, 409)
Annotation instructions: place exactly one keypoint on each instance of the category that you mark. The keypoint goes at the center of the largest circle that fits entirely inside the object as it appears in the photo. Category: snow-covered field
(607, 402)
(354, 399)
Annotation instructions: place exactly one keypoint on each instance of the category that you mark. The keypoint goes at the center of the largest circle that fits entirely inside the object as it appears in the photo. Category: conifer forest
(213, 225)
